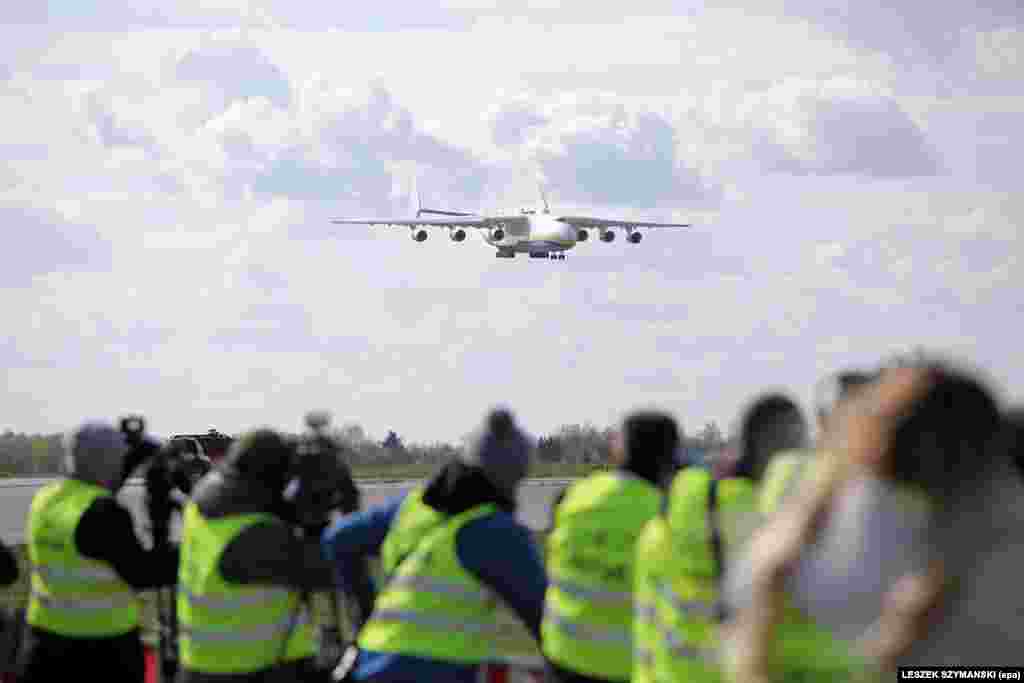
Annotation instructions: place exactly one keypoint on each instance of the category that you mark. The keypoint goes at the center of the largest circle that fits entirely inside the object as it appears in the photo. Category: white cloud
(239, 71)
(208, 162)
(840, 126)
(1000, 54)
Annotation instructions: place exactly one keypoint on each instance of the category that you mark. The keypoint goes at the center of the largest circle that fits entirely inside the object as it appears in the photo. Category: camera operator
(86, 565)
(250, 558)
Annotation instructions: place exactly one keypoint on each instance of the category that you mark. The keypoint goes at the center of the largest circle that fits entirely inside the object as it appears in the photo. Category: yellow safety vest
(676, 588)
(431, 607)
(651, 562)
(413, 521)
(782, 475)
(73, 595)
(588, 608)
(227, 627)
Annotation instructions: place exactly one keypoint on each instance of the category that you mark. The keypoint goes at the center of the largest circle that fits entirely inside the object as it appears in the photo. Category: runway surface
(535, 497)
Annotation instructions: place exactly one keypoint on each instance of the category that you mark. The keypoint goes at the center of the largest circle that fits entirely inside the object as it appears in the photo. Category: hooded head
(95, 453)
(502, 452)
(771, 423)
(261, 455)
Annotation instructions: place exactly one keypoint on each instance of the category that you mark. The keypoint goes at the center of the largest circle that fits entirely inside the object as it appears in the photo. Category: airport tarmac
(535, 498)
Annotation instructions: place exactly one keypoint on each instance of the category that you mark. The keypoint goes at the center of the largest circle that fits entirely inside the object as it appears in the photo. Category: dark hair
(1013, 436)
(836, 388)
(944, 441)
(764, 418)
(651, 441)
(261, 454)
(851, 380)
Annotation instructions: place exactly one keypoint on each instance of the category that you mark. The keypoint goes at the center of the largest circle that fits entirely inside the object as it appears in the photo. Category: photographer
(434, 619)
(250, 557)
(86, 565)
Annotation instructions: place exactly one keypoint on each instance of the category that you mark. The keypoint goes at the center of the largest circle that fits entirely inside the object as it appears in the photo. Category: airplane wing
(454, 222)
(588, 222)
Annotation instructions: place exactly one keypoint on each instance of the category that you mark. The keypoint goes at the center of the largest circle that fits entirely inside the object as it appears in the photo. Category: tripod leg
(172, 636)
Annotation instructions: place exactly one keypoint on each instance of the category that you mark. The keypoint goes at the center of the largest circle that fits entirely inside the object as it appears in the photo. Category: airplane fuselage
(532, 234)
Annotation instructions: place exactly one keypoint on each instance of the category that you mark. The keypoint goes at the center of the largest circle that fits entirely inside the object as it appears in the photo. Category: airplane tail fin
(543, 197)
(415, 205)
(417, 209)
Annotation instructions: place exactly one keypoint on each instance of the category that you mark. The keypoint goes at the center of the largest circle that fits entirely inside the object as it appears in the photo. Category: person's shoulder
(688, 480)
(476, 539)
(495, 522)
(105, 508)
(263, 534)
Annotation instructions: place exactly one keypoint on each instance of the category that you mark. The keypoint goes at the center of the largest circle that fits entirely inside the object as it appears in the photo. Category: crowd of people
(889, 537)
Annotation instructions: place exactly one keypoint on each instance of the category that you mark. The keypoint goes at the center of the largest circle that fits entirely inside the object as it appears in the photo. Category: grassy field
(513, 638)
(401, 472)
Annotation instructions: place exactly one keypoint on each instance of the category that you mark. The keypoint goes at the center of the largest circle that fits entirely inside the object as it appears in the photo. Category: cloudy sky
(168, 176)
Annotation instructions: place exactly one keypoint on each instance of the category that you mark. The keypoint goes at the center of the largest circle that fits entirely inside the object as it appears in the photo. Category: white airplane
(539, 235)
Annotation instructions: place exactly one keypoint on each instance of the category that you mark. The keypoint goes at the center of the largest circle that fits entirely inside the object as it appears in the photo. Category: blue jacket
(516, 574)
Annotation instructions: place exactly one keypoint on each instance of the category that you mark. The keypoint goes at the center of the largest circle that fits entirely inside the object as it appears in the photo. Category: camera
(169, 476)
(320, 481)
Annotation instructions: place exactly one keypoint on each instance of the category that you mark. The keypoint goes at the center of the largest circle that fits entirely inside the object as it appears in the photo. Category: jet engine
(458, 235)
(608, 236)
(497, 234)
(635, 237)
(582, 235)
(419, 235)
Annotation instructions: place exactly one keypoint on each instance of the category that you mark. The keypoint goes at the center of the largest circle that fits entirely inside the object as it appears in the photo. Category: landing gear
(560, 257)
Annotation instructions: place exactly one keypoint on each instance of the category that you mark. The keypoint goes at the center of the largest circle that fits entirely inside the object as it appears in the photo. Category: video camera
(320, 480)
(169, 477)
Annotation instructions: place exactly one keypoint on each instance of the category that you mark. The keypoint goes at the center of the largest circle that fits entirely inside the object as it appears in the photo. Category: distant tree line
(28, 455)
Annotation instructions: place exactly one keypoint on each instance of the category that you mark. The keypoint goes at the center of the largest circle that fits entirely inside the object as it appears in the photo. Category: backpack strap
(717, 550)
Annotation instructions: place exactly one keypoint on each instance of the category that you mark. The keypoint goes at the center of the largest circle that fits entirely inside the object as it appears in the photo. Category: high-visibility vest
(588, 608)
(431, 606)
(682, 575)
(781, 476)
(676, 573)
(650, 563)
(73, 595)
(227, 627)
(413, 521)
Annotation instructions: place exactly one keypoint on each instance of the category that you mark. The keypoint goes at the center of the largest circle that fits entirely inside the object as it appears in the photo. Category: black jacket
(8, 566)
(268, 554)
(106, 531)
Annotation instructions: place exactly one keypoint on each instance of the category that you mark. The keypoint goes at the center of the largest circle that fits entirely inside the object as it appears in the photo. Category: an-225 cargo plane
(540, 235)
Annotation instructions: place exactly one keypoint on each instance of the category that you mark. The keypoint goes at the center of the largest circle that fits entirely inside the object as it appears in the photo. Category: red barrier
(514, 672)
(152, 668)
